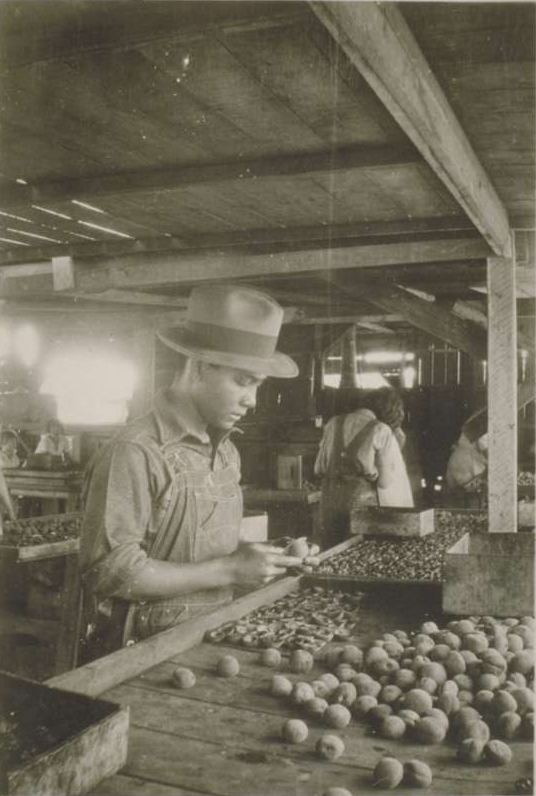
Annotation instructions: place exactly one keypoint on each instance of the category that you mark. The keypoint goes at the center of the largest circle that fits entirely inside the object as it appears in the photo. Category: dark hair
(6, 436)
(387, 405)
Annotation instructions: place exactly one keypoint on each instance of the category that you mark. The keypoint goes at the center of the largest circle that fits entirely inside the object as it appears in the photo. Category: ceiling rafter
(378, 41)
(169, 179)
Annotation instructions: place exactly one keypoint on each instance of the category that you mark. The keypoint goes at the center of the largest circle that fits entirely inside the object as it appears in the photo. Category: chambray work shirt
(126, 483)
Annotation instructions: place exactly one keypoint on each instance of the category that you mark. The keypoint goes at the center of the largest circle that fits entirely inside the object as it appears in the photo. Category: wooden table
(222, 736)
(65, 631)
(291, 512)
(49, 484)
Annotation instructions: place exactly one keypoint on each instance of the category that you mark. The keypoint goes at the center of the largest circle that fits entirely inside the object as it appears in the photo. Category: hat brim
(278, 365)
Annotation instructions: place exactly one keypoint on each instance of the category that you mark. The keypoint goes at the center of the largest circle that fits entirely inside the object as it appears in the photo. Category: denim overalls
(202, 525)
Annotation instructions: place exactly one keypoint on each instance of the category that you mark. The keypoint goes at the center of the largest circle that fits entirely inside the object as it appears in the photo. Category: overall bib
(344, 485)
(204, 524)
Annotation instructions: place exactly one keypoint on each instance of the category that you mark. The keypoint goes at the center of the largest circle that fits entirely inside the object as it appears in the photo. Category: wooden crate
(57, 743)
(383, 521)
(490, 573)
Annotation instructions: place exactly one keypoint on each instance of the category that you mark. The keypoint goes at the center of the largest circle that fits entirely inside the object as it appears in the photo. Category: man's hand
(254, 563)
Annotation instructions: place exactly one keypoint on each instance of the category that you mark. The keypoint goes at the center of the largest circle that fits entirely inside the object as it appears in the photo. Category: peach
(388, 773)
(182, 677)
(329, 747)
(294, 731)
(227, 666)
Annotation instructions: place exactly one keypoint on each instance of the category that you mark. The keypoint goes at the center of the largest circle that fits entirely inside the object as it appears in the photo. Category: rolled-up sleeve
(116, 519)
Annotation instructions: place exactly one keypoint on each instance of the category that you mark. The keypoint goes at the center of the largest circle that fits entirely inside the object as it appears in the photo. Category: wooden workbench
(291, 512)
(222, 736)
(48, 484)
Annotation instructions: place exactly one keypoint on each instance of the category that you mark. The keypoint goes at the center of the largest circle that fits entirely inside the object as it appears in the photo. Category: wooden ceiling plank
(81, 29)
(382, 230)
(382, 47)
(424, 315)
(168, 179)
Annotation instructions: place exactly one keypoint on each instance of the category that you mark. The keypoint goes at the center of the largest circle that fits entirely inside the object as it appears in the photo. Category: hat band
(230, 341)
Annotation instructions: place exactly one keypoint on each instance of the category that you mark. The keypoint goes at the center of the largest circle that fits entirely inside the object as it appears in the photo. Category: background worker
(466, 472)
(361, 462)
(163, 505)
(54, 441)
(9, 457)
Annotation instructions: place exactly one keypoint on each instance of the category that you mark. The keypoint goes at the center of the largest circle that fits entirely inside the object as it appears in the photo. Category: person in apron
(162, 500)
(361, 462)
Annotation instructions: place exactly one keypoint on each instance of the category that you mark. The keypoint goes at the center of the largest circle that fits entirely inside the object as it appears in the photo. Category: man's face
(223, 395)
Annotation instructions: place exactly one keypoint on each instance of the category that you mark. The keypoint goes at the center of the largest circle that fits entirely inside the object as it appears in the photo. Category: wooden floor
(222, 737)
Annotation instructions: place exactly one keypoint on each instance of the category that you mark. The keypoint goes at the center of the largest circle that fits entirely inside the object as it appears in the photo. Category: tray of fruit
(306, 619)
(41, 537)
(396, 560)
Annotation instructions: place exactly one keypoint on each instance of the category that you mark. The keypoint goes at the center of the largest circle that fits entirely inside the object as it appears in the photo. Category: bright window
(91, 388)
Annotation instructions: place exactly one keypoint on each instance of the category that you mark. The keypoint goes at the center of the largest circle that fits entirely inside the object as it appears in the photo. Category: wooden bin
(490, 573)
(383, 521)
(70, 742)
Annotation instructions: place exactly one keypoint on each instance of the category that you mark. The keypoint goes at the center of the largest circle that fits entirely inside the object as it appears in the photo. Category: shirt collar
(176, 420)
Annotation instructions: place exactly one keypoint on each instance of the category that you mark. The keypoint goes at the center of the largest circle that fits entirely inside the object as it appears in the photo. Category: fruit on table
(497, 753)
(429, 730)
(507, 725)
(301, 661)
(182, 677)
(315, 707)
(281, 686)
(329, 747)
(388, 773)
(392, 727)
(337, 716)
(270, 657)
(417, 774)
(471, 750)
(477, 730)
(363, 704)
(418, 700)
(301, 693)
(227, 666)
(294, 731)
(345, 694)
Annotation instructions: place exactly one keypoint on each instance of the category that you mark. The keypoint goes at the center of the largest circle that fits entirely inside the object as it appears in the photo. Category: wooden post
(502, 395)
(143, 346)
(348, 356)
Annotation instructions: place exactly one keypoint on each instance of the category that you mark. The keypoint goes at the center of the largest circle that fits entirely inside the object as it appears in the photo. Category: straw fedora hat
(233, 326)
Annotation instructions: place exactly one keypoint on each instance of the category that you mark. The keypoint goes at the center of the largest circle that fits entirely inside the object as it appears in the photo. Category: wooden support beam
(378, 41)
(134, 272)
(361, 320)
(502, 399)
(424, 315)
(90, 188)
(134, 298)
(348, 359)
(477, 425)
(252, 237)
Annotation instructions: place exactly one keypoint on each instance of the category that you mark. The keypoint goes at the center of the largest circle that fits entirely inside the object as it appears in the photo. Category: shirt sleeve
(116, 519)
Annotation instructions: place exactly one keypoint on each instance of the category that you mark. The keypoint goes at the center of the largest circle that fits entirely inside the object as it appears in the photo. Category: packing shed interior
(371, 165)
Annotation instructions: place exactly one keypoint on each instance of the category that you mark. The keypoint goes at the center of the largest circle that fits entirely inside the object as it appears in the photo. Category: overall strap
(346, 461)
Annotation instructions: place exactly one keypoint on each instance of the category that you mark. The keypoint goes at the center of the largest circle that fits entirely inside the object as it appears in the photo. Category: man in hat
(163, 505)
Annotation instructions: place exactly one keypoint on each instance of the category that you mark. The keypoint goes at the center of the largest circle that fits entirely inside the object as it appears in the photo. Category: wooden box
(57, 743)
(254, 526)
(490, 573)
(383, 521)
(288, 472)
